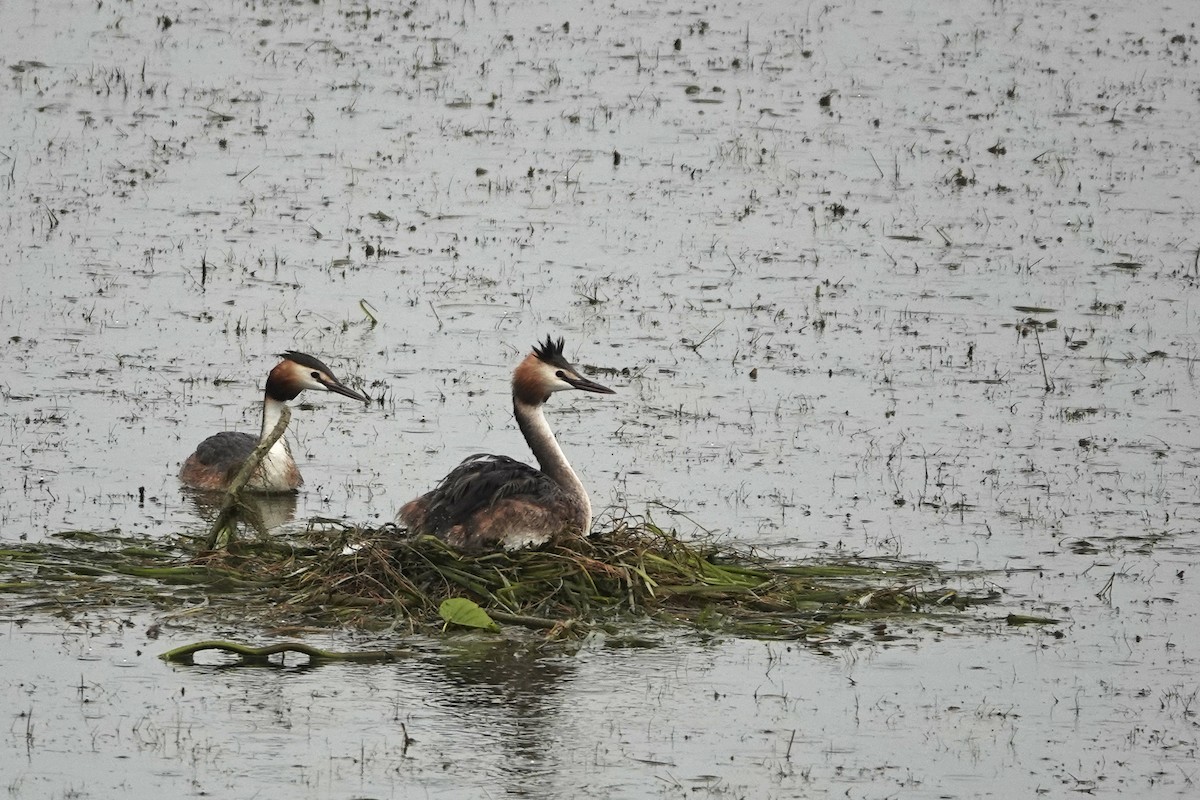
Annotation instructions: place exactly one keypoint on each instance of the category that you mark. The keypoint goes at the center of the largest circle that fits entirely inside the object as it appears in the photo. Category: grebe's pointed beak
(337, 387)
(579, 382)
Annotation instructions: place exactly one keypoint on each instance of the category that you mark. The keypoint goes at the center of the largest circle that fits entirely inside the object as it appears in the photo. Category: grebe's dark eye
(316, 376)
(560, 374)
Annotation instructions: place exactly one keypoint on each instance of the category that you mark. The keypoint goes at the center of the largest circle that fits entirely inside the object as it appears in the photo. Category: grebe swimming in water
(489, 501)
(219, 457)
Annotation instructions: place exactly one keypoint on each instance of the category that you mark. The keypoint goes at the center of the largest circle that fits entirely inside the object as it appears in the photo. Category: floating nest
(338, 576)
(334, 576)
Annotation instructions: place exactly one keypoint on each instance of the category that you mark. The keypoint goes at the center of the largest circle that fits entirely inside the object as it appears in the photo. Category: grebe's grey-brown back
(492, 501)
(219, 457)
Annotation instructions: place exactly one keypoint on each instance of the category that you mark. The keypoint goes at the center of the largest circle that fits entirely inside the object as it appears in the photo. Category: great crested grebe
(220, 456)
(489, 501)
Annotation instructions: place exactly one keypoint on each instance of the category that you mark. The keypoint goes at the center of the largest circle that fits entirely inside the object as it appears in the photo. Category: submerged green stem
(261, 655)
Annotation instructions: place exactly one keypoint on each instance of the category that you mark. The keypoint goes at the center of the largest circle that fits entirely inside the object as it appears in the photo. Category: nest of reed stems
(372, 578)
(339, 576)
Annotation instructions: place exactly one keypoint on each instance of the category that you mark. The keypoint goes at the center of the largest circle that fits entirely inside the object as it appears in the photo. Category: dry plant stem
(221, 532)
(525, 620)
(1041, 356)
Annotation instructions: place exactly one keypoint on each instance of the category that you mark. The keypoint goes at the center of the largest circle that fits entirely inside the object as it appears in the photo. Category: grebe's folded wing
(226, 447)
(478, 483)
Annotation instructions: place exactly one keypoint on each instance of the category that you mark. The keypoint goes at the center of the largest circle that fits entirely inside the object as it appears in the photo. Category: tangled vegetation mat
(337, 576)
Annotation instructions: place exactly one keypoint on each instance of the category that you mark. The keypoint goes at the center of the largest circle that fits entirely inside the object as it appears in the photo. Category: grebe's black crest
(547, 370)
(305, 360)
(551, 351)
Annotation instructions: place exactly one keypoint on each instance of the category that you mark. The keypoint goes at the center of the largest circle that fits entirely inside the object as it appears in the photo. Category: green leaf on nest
(467, 613)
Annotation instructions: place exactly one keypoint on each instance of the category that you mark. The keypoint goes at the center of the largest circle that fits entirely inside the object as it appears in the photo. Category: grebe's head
(545, 371)
(300, 371)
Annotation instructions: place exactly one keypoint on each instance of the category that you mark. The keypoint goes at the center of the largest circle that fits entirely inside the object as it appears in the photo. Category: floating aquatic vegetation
(335, 575)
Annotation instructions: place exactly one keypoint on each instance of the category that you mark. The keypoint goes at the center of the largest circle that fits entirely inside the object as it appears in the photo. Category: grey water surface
(911, 279)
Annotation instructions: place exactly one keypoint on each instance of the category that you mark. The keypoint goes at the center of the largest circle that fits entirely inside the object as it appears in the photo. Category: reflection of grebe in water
(509, 694)
(488, 501)
(218, 458)
(262, 512)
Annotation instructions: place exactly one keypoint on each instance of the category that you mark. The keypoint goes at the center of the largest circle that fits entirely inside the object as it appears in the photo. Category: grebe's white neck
(551, 459)
(279, 458)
